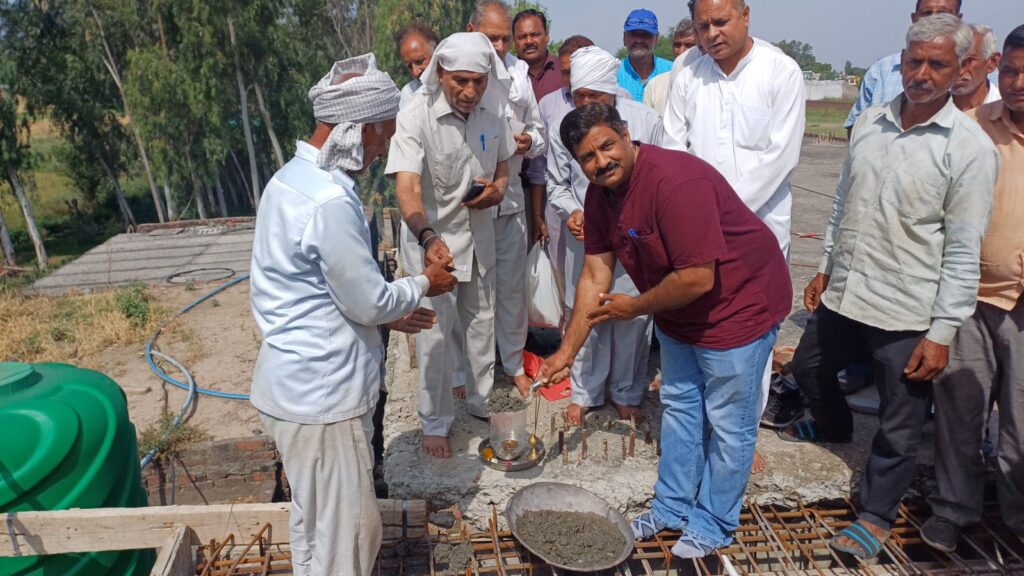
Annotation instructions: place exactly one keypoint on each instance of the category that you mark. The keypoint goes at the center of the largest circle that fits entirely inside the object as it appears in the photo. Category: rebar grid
(770, 541)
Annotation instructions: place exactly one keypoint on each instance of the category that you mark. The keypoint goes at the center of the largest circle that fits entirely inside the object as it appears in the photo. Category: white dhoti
(335, 526)
(511, 314)
(556, 241)
(469, 310)
(615, 353)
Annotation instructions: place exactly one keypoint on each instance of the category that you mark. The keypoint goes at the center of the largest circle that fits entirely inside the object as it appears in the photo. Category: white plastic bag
(545, 291)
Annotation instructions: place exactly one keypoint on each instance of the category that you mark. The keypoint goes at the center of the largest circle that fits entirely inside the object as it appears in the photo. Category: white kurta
(749, 125)
(318, 297)
(614, 353)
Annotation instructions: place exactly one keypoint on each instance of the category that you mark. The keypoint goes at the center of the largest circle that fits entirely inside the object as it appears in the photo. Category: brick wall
(220, 472)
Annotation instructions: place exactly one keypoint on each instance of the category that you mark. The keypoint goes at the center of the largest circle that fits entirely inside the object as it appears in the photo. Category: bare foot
(759, 464)
(523, 383)
(576, 413)
(630, 412)
(436, 446)
(459, 392)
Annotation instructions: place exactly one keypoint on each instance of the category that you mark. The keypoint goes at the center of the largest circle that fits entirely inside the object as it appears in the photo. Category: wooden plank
(102, 529)
(175, 558)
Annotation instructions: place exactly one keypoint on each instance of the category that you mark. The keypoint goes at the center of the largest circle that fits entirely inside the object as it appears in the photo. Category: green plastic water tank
(67, 443)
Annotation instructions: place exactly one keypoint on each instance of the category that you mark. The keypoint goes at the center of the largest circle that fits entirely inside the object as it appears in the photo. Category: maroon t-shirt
(678, 212)
(549, 79)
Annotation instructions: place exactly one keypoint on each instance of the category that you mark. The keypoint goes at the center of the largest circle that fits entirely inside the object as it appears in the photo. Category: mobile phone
(475, 190)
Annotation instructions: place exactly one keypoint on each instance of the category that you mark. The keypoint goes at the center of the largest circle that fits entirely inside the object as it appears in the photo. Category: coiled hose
(190, 384)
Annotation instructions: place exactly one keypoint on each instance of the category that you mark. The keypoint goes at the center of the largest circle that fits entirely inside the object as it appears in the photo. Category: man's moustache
(610, 167)
(921, 85)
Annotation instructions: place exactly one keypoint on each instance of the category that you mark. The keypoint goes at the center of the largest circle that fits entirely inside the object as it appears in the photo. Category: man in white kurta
(553, 108)
(446, 140)
(511, 310)
(615, 353)
(318, 298)
(741, 109)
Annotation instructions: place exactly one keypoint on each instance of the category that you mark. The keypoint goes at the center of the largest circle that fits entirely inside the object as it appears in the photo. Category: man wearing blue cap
(640, 36)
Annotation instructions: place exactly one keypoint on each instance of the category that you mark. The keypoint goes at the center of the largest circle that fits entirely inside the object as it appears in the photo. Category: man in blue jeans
(714, 278)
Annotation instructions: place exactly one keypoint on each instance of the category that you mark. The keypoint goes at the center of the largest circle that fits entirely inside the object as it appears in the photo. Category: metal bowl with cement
(554, 496)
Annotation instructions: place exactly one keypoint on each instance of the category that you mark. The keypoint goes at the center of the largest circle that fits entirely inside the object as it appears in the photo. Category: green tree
(444, 16)
(850, 70)
(77, 96)
(15, 157)
(803, 53)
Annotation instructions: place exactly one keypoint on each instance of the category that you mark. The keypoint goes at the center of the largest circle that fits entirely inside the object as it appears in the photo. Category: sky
(839, 30)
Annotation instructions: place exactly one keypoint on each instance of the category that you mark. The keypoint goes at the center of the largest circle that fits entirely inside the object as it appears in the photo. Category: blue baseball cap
(641, 19)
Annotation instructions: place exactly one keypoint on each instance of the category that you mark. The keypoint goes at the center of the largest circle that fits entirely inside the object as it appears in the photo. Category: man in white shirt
(615, 353)
(553, 108)
(511, 312)
(740, 107)
(973, 88)
(447, 141)
(318, 298)
(416, 43)
(656, 92)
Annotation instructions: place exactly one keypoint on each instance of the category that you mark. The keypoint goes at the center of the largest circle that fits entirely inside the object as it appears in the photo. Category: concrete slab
(151, 257)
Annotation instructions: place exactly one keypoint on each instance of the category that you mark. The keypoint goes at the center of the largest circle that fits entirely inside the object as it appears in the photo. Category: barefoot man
(713, 277)
(614, 354)
(446, 141)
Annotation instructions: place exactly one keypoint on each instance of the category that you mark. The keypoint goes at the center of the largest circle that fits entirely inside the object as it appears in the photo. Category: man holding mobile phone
(491, 18)
(448, 139)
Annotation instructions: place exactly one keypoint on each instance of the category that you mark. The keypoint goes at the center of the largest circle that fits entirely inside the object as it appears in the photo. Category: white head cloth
(467, 52)
(369, 98)
(594, 69)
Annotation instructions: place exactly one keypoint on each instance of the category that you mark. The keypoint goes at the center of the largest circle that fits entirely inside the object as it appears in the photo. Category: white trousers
(335, 525)
(556, 238)
(615, 354)
(468, 309)
(511, 315)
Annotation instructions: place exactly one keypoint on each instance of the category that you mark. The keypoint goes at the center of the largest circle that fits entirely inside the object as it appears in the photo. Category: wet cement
(443, 519)
(505, 399)
(457, 557)
(580, 540)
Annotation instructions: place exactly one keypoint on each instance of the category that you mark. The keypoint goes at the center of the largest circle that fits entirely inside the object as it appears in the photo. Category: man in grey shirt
(899, 273)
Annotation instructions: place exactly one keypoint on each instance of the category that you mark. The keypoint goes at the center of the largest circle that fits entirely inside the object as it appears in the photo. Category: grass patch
(76, 329)
(826, 120)
(160, 436)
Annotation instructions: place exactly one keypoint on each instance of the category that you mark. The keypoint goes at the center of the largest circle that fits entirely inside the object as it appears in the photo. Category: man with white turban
(511, 321)
(615, 353)
(446, 141)
(319, 298)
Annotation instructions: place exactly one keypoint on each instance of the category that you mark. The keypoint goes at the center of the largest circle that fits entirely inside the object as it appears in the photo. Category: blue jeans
(712, 401)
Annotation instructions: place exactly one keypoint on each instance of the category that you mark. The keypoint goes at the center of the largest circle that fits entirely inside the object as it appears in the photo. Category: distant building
(824, 89)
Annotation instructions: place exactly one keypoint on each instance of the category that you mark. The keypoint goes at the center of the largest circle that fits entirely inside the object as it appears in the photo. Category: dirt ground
(219, 348)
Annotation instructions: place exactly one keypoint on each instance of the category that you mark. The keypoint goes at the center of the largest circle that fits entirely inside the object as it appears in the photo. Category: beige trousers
(335, 526)
(468, 310)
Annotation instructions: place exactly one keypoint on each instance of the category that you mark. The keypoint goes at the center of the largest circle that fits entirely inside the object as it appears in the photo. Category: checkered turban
(366, 99)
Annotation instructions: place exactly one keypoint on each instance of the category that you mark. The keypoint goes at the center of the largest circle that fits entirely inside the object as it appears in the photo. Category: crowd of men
(662, 193)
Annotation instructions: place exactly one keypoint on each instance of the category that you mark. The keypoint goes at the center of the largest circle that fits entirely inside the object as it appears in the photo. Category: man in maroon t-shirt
(718, 286)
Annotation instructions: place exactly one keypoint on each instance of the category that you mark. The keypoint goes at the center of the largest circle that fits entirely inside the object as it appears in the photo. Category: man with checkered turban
(318, 298)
